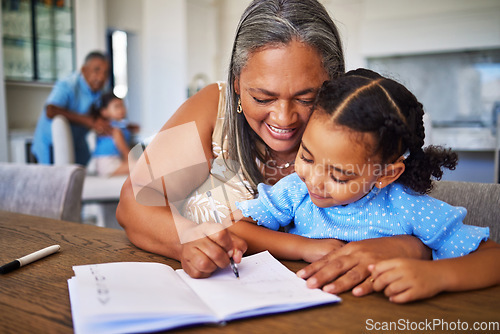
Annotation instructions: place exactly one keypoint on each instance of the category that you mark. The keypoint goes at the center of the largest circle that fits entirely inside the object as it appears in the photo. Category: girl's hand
(134, 128)
(315, 249)
(347, 267)
(404, 280)
(200, 258)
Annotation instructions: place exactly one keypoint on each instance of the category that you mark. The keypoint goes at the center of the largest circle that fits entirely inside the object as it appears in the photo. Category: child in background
(361, 172)
(111, 151)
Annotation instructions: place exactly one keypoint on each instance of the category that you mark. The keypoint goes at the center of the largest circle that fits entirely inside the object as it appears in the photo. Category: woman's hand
(200, 258)
(347, 267)
(405, 280)
(101, 126)
(315, 249)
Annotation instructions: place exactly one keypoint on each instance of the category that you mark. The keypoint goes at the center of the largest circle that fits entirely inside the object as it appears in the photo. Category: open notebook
(141, 296)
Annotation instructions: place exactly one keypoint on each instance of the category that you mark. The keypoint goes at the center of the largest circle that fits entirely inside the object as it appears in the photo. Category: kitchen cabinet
(38, 40)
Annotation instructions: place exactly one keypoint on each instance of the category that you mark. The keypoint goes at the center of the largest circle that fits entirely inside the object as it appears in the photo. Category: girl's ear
(391, 173)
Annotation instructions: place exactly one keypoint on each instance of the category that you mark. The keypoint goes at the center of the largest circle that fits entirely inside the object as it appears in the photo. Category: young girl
(111, 151)
(361, 172)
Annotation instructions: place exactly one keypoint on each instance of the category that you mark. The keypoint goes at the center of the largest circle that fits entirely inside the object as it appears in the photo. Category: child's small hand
(315, 249)
(405, 280)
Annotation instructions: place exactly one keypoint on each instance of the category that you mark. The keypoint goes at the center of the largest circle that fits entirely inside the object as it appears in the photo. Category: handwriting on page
(268, 280)
(100, 283)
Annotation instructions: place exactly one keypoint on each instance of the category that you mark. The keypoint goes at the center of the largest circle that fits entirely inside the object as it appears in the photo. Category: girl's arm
(404, 280)
(285, 246)
(153, 228)
(121, 143)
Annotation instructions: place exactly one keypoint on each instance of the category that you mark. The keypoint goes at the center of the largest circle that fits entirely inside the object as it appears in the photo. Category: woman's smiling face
(277, 88)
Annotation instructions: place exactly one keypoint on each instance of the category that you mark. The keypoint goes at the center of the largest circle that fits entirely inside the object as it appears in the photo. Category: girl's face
(277, 88)
(115, 110)
(334, 164)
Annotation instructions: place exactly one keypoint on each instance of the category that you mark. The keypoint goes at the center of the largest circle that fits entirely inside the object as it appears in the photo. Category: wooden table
(34, 298)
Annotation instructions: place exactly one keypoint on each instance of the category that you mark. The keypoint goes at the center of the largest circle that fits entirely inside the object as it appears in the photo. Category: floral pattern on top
(225, 186)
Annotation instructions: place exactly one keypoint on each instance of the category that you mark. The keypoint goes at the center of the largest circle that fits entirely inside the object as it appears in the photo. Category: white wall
(90, 28)
(202, 39)
(164, 57)
(24, 112)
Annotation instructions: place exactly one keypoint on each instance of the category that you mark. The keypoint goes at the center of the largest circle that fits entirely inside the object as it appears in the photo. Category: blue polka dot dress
(381, 213)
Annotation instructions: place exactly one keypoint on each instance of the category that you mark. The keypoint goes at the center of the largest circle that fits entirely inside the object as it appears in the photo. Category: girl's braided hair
(364, 101)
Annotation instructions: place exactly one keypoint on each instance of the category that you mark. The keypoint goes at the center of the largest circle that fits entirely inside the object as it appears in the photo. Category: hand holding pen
(234, 266)
(200, 258)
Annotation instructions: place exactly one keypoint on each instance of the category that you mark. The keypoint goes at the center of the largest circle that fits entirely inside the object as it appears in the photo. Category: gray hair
(267, 23)
(95, 55)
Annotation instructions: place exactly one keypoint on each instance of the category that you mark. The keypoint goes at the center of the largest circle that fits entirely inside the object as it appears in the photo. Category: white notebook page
(263, 282)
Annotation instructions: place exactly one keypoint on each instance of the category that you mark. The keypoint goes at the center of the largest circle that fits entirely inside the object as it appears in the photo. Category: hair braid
(422, 165)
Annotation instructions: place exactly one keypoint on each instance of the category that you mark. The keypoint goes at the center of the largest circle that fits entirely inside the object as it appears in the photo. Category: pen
(217, 219)
(29, 258)
(213, 207)
(234, 267)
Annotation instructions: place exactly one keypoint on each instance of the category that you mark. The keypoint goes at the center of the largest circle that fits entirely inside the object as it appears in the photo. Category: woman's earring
(239, 110)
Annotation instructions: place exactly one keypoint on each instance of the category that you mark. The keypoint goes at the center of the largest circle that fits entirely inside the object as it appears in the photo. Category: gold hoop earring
(239, 110)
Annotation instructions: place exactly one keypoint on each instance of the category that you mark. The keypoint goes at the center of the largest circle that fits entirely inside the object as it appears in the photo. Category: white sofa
(97, 191)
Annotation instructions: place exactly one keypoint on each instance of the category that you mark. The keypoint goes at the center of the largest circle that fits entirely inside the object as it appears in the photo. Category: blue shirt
(105, 145)
(72, 93)
(382, 212)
